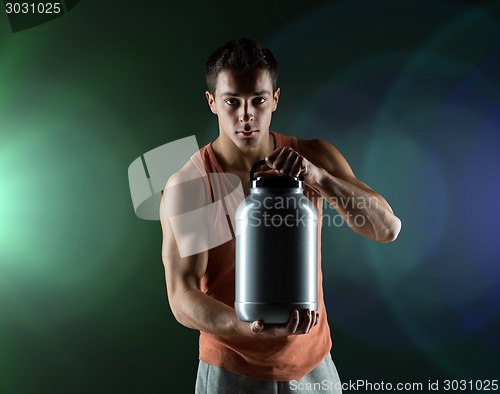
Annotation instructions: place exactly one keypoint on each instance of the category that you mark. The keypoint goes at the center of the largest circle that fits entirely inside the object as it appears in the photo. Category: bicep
(184, 257)
(181, 272)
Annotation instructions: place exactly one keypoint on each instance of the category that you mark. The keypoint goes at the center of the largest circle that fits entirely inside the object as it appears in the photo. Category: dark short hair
(240, 55)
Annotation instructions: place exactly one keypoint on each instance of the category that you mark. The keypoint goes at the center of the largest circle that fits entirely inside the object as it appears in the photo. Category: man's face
(244, 103)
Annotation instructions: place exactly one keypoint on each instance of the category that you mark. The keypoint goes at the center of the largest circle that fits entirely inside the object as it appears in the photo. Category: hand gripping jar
(276, 250)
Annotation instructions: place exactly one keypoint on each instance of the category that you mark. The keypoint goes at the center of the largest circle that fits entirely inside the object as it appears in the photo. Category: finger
(267, 173)
(293, 324)
(257, 326)
(306, 325)
(271, 158)
(273, 155)
(280, 159)
(297, 166)
(314, 319)
(307, 321)
(289, 162)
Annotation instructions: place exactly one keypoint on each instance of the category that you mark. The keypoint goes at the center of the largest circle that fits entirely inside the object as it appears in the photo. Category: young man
(236, 356)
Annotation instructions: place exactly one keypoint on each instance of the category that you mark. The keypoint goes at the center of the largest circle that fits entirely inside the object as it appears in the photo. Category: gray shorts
(322, 379)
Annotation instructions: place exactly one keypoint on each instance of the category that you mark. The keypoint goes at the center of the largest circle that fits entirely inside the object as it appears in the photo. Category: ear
(276, 97)
(211, 101)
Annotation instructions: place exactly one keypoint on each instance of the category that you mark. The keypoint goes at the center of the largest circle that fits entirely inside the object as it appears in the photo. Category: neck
(234, 159)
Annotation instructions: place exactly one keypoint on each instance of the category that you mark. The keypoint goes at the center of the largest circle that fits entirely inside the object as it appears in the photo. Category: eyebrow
(259, 93)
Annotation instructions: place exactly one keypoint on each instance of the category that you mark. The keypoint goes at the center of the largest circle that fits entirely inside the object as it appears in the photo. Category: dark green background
(408, 91)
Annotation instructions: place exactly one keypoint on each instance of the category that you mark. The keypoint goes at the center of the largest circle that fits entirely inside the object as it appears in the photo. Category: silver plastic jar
(276, 250)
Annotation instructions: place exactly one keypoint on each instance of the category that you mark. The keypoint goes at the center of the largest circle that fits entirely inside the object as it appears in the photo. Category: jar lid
(277, 181)
(274, 181)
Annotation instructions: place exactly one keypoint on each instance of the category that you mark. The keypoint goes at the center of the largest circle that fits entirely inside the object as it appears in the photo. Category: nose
(246, 114)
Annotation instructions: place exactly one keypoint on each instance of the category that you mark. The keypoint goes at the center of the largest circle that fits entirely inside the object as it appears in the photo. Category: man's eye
(259, 100)
(231, 101)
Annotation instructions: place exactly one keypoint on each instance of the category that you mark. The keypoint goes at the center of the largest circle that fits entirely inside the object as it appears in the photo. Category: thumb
(257, 326)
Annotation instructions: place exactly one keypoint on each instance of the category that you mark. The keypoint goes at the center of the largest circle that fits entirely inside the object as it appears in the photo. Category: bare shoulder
(323, 154)
(186, 173)
(184, 191)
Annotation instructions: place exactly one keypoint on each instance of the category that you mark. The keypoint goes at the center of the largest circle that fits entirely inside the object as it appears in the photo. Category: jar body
(276, 255)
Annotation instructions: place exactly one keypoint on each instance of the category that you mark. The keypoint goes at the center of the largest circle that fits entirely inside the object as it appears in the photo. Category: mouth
(245, 133)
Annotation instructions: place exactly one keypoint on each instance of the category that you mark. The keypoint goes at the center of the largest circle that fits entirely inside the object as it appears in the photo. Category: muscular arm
(325, 170)
(190, 306)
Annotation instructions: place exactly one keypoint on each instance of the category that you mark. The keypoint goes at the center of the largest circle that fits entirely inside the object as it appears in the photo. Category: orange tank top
(277, 359)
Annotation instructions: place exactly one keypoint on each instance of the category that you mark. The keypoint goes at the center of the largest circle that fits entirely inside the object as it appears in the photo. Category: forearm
(365, 211)
(201, 312)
